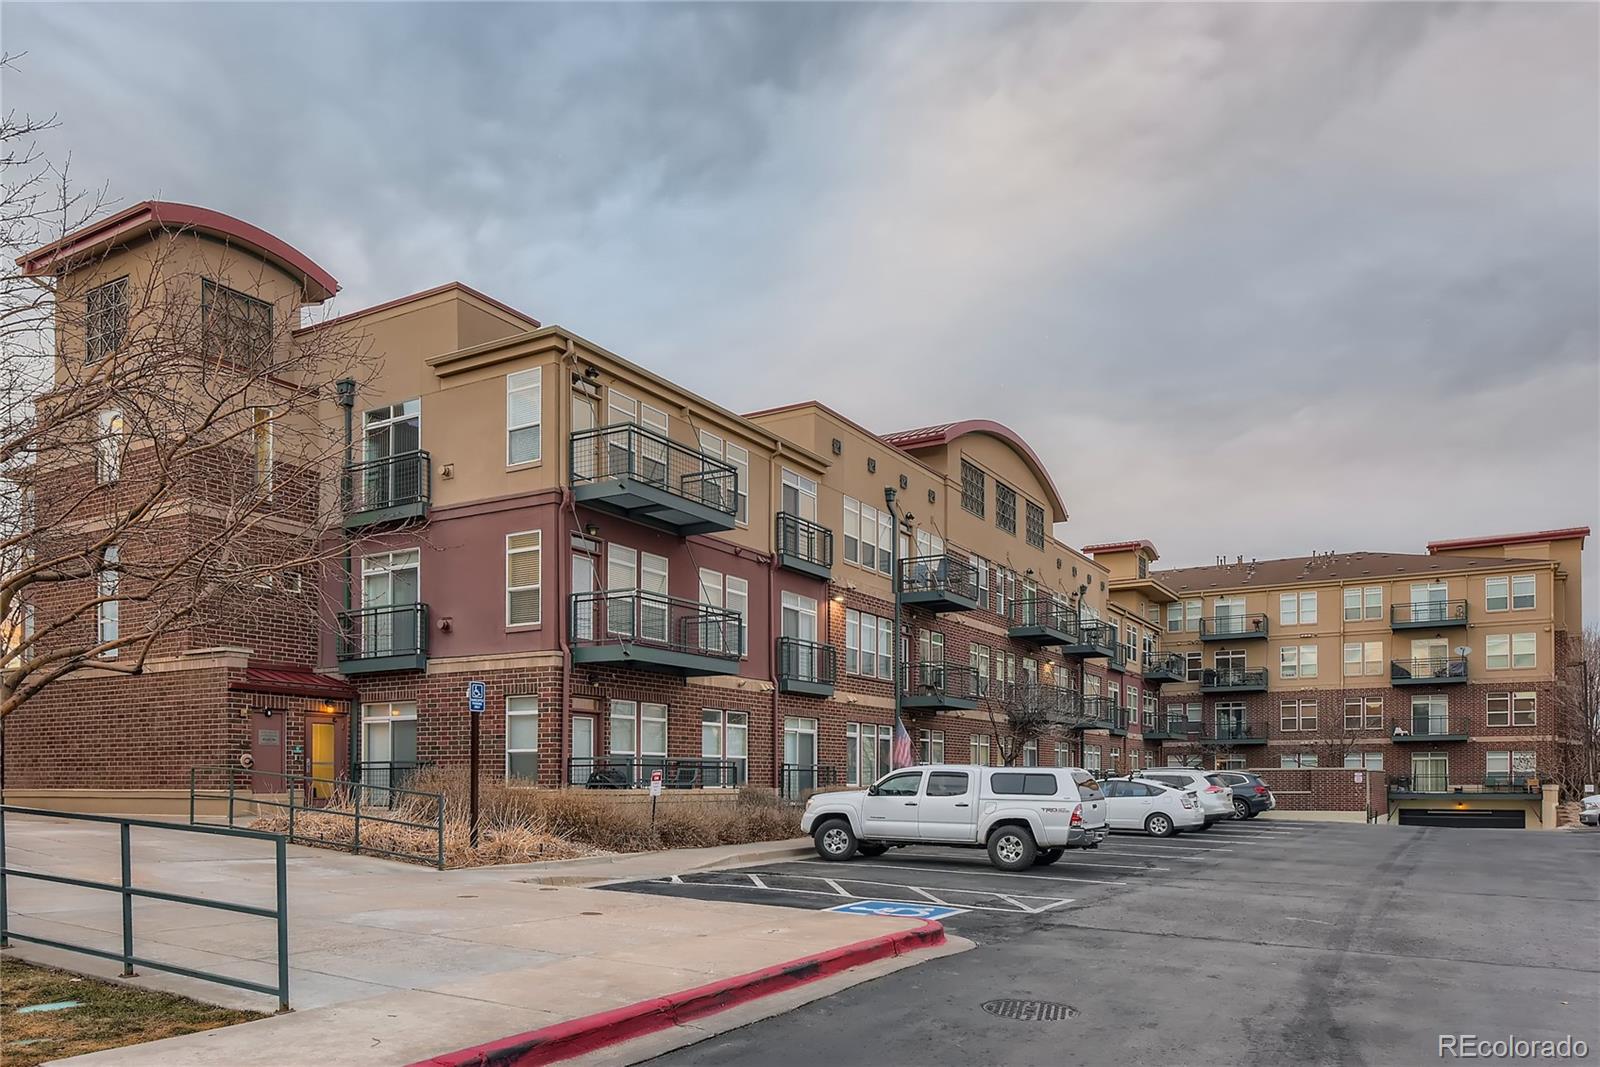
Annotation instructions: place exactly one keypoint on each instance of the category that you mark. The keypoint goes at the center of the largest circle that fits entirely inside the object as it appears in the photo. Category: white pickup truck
(1022, 815)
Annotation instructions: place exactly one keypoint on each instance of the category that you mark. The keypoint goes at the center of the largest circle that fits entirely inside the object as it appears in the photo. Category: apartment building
(645, 580)
(1442, 669)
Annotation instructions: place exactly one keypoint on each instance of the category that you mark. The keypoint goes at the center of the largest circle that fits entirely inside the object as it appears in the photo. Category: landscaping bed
(105, 1015)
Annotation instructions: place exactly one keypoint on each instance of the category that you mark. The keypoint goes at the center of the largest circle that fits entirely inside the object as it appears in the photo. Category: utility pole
(894, 582)
(345, 397)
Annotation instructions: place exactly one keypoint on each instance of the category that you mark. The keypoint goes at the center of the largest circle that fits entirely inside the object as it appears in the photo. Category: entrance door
(582, 749)
(1430, 772)
(319, 759)
(390, 582)
(583, 605)
(266, 751)
(799, 756)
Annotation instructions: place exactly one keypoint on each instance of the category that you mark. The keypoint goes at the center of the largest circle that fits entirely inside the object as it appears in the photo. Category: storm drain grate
(1030, 1011)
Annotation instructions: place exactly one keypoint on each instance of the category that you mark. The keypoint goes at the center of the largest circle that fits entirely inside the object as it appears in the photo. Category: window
(1229, 659)
(109, 445)
(866, 754)
(1296, 609)
(724, 739)
(1091, 757)
(234, 325)
(1191, 615)
(972, 493)
(1524, 650)
(1174, 617)
(639, 734)
(852, 530)
(737, 457)
(1497, 651)
(930, 748)
(524, 412)
(524, 568)
(1193, 666)
(1363, 658)
(947, 784)
(980, 750)
(108, 613)
(1363, 713)
(1013, 784)
(1497, 594)
(1298, 714)
(106, 321)
(871, 533)
(1364, 761)
(1005, 507)
(868, 645)
(1512, 709)
(522, 737)
(1297, 661)
(1030, 754)
(799, 495)
(1301, 759)
(389, 733)
(1035, 525)
(1363, 602)
(1522, 592)
(263, 447)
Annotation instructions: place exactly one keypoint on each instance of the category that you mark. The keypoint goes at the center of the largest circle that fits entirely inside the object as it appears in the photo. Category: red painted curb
(574, 1037)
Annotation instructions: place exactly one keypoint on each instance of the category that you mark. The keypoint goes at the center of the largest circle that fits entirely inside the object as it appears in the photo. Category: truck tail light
(1077, 815)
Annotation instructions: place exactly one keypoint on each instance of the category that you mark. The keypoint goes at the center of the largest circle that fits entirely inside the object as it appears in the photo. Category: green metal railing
(129, 892)
(327, 796)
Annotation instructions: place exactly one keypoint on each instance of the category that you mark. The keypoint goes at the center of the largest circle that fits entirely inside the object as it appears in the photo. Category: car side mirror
(872, 790)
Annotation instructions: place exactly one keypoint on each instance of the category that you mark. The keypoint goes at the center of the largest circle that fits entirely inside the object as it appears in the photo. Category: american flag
(902, 756)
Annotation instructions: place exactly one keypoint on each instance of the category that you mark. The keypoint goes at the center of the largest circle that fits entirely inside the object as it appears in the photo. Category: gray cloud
(1251, 278)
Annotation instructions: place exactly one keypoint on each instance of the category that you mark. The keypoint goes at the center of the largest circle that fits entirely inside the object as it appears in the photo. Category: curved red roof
(149, 215)
(1567, 533)
(1123, 546)
(944, 433)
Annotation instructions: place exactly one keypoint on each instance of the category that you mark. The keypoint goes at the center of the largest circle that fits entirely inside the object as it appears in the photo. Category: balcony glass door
(653, 609)
(1428, 602)
(798, 620)
(799, 756)
(1430, 772)
(582, 605)
(390, 583)
(388, 432)
(1429, 716)
(1228, 614)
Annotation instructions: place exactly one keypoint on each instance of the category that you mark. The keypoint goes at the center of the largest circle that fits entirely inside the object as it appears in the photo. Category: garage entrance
(1495, 819)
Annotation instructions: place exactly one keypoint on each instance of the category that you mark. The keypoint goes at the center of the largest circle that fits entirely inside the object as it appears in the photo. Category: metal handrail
(795, 779)
(1428, 724)
(634, 616)
(1233, 677)
(807, 661)
(1251, 625)
(939, 573)
(129, 892)
(953, 680)
(633, 772)
(628, 450)
(810, 541)
(1046, 612)
(1164, 663)
(363, 799)
(390, 630)
(1224, 730)
(391, 481)
(1428, 667)
(1428, 611)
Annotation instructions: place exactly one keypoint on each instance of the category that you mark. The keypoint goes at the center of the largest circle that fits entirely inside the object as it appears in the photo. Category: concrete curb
(574, 1037)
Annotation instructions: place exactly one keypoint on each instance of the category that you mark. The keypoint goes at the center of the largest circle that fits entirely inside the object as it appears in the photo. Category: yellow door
(321, 760)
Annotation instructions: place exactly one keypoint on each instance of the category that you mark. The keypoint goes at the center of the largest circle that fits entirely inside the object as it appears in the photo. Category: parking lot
(1260, 942)
(959, 887)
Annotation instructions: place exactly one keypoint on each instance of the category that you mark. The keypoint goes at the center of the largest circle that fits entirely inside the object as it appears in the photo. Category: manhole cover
(1030, 1011)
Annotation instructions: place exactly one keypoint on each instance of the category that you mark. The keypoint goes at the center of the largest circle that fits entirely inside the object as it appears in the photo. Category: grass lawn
(111, 1015)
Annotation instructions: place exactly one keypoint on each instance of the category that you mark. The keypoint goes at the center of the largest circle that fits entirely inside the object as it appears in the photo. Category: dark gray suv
(1251, 796)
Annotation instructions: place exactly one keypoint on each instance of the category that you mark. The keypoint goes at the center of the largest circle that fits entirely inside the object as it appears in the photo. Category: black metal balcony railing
(1220, 679)
(634, 616)
(1225, 730)
(1512, 781)
(1427, 670)
(1170, 727)
(804, 540)
(795, 780)
(396, 482)
(633, 772)
(947, 680)
(397, 630)
(1527, 782)
(806, 661)
(1420, 613)
(627, 450)
(1098, 713)
(1056, 703)
(939, 574)
(1428, 726)
(1222, 627)
(1045, 613)
(1164, 667)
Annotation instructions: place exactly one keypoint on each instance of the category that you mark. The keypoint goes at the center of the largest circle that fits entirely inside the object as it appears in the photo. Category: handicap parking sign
(477, 696)
(898, 909)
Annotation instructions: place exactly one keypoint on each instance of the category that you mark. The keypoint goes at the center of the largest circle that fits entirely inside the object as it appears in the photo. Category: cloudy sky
(1253, 279)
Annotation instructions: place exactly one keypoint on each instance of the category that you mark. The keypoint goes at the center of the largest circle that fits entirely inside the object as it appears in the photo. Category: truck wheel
(835, 840)
(1011, 848)
(871, 848)
(1158, 825)
(1049, 856)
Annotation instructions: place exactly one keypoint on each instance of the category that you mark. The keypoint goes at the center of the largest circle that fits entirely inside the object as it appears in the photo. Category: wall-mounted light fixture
(591, 530)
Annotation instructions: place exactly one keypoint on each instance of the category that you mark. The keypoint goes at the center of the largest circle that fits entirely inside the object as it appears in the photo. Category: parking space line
(1177, 848)
(1018, 907)
(930, 896)
(756, 881)
(837, 888)
(984, 872)
(1076, 865)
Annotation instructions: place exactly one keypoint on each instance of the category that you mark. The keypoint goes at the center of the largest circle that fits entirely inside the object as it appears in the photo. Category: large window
(930, 746)
(972, 493)
(1036, 525)
(1512, 709)
(725, 736)
(868, 536)
(868, 644)
(866, 752)
(1297, 661)
(1297, 714)
(389, 734)
(108, 614)
(731, 593)
(738, 457)
(1363, 713)
(234, 325)
(1184, 616)
(524, 414)
(1363, 658)
(639, 734)
(1363, 761)
(1005, 507)
(1503, 651)
(524, 569)
(982, 754)
(106, 321)
(1363, 603)
(1297, 609)
(1509, 765)
(522, 737)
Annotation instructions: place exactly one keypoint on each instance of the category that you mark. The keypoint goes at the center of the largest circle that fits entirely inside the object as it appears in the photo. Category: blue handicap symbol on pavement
(899, 909)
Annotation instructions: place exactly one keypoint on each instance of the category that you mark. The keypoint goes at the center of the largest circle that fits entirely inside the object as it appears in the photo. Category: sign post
(477, 701)
(655, 791)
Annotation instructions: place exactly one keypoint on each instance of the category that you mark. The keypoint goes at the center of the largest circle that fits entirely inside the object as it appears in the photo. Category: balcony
(1042, 621)
(1167, 728)
(805, 667)
(939, 583)
(391, 489)
(1165, 667)
(1091, 640)
(1503, 785)
(939, 687)
(1428, 615)
(1232, 733)
(804, 546)
(1233, 627)
(652, 631)
(633, 772)
(1234, 680)
(644, 476)
(1052, 703)
(1433, 670)
(389, 638)
(1100, 713)
(1428, 728)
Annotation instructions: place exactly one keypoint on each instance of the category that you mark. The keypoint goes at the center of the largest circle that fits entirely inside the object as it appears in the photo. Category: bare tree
(167, 463)
(1024, 712)
(1578, 696)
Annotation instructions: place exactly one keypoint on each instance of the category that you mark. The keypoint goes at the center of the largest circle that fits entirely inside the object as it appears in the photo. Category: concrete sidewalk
(392, 963)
